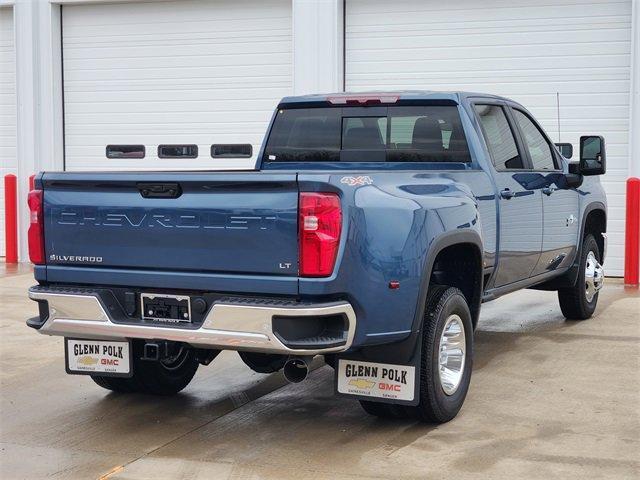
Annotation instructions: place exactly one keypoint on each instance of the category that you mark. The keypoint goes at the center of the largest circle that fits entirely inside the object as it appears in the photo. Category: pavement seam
(235, 404)
(237, 400)
(113, 471)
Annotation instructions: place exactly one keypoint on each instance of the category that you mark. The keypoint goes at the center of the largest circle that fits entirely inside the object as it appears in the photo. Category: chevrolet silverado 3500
(372, 230)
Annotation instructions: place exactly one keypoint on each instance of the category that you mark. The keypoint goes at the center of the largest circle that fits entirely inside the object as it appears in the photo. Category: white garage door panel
(192, 72)
(8, 162)
(528, 51)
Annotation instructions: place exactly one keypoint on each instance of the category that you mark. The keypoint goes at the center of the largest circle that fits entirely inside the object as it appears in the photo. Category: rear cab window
(499, 137)
(399, 134)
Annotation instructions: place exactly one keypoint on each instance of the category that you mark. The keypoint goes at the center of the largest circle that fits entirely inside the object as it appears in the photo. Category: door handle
(548, 190)
(507, 194)
(160, 190)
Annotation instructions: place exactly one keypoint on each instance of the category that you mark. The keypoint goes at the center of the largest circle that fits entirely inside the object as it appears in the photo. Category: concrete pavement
(549, 398)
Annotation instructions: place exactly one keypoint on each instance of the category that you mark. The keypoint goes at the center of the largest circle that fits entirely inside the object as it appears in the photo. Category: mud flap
(385, 373)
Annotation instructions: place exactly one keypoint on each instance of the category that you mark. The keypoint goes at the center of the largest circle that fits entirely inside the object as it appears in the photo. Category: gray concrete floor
(548, 399)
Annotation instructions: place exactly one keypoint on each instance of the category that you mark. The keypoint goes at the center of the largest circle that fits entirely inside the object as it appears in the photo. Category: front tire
(579, 302)
(166, 377)
(447, 355)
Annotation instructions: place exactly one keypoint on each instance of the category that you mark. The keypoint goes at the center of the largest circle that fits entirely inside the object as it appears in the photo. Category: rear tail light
(319, 227)
(36, 230)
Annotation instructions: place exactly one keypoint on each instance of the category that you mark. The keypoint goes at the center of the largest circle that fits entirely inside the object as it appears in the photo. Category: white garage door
(7, 108)
(172, 73)
(528, 51)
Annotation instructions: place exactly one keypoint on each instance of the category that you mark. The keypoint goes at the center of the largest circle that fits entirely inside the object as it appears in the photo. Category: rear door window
(397, 134)
(499, 137)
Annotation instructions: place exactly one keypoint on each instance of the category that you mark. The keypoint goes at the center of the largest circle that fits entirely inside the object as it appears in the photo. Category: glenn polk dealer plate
(376, 380)
(98, 357)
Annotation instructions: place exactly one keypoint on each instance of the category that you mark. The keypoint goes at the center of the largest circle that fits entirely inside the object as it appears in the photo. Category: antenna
(558, 113)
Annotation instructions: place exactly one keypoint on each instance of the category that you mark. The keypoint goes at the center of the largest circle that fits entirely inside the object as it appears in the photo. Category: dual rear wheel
(446, 360)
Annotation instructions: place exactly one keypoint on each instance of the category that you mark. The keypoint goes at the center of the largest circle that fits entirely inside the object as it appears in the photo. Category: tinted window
(499, 137)
(305, 135)
(539, 148)
(125, 151)
(177, 151)
(404, 134)
(427, 134)
(364, 133)
(232, 150)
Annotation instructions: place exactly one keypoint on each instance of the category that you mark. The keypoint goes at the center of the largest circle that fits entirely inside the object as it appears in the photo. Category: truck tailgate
(244, 223)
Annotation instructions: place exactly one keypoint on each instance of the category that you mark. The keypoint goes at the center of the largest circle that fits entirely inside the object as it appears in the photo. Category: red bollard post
(632, 234)
(11, 218)
(32, 182)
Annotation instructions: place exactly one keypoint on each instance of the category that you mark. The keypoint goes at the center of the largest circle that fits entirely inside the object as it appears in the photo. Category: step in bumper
(232, 324)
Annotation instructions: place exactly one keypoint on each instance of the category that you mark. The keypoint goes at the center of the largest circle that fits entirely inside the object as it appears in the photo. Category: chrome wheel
(593, 276)
(451, 354)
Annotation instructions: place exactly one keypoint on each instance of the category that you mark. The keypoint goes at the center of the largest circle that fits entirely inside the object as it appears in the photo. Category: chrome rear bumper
(227, 326)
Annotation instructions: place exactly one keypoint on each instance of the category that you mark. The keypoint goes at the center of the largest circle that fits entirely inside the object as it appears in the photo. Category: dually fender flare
(409, 350)
(441, 242)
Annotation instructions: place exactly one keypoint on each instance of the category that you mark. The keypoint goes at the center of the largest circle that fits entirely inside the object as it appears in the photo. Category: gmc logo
(389, 387)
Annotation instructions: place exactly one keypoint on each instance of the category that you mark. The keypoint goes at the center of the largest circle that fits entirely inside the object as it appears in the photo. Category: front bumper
(230, 324)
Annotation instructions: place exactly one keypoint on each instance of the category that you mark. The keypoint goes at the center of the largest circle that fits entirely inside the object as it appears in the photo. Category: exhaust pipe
(296, 369)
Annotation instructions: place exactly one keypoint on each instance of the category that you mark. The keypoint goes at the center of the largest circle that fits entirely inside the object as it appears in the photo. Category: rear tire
(574, 301)
(166, 377)
(446, 308)
(447, 358)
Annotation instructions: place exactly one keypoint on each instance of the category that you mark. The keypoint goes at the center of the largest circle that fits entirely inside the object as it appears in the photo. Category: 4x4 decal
(357, 181)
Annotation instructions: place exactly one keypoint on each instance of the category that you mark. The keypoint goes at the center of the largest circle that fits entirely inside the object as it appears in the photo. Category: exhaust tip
(296, 369)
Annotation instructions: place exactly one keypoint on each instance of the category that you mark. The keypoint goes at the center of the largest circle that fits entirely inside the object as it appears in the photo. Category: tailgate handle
(160, 190)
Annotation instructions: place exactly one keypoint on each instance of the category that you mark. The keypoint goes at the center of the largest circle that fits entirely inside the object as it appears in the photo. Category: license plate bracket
(165, 308)
(105, 358)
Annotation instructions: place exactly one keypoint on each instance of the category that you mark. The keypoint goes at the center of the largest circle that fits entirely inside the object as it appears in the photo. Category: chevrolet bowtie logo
(361, 383)
(87, 360)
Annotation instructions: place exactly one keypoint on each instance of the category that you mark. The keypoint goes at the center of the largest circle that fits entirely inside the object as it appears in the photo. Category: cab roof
(383, 97)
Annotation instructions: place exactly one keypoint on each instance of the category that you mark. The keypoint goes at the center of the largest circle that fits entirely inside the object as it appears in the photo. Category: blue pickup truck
(371, 231)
